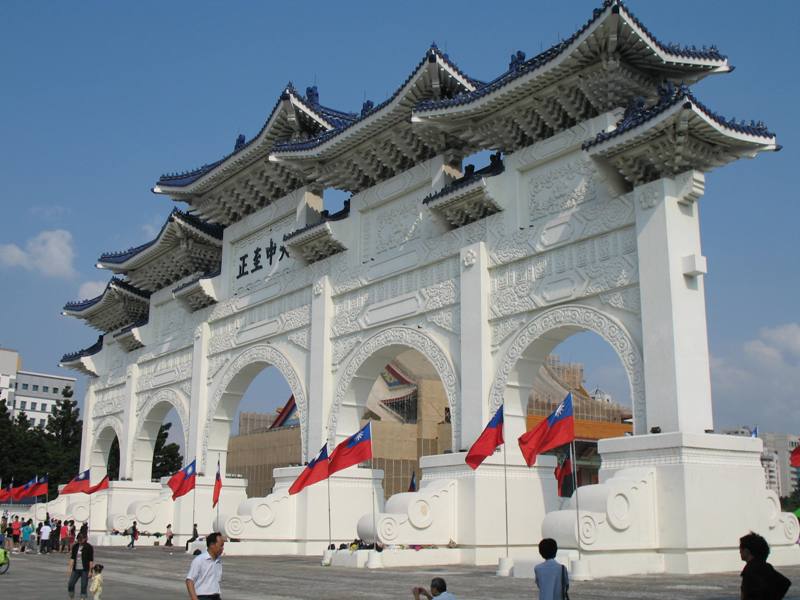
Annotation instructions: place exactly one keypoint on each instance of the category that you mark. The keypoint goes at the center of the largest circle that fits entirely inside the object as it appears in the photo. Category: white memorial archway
(585, 218)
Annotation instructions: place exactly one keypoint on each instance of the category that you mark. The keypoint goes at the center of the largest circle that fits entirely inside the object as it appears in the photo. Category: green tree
(7, 447)
(63, 431)
(167, 458)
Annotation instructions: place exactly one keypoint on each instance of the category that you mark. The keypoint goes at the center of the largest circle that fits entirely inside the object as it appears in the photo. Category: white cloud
(759, 383)
(91, 289)
(50, 212)
(50, 253)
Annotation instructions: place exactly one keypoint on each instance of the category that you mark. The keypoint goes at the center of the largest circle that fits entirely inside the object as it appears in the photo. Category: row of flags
(38, 487)
(558, 429)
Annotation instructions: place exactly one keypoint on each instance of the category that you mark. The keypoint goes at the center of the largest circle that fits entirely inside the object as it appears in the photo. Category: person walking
(55, 535)
(45, 538)
(134, 531)
(96, 587)
(205, 572)
(551, 576)
(16, 527)
(25, 536)
(63, 536)
(169, 535)
(80, 565)
(760, 580)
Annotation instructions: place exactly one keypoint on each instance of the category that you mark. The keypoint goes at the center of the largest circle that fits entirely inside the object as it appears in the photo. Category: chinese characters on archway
(260, 256)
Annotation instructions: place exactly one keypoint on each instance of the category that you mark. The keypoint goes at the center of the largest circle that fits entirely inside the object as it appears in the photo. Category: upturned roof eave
(471, 106)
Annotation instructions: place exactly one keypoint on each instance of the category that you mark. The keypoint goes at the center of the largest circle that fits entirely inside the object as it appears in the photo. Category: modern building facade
(779, 475)
(29, 392)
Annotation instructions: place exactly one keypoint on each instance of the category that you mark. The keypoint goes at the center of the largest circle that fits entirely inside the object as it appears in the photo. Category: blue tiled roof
(669, 95)
(518, 67)
(210, 229)
(430, 56)
(81, 305)
(91, 350)
(335, 117)
(495, 167)
(337, 216)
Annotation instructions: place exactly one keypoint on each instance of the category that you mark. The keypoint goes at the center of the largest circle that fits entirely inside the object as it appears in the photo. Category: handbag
(564, 583)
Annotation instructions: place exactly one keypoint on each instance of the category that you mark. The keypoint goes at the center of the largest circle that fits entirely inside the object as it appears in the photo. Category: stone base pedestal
(674, 503)
(459, 506)
(298, 524)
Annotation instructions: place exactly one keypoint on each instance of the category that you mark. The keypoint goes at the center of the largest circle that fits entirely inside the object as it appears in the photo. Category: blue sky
(101, 98)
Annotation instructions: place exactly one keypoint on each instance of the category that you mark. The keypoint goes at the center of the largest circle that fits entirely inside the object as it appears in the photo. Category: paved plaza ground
(154, 574)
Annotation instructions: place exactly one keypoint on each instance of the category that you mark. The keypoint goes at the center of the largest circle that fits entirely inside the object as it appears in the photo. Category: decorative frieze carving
(410, 338)
(561, 187)
(342, 346)
(627, 299)
(173, 367)
(301, 338)
(448, 319)
(583, 269)
(502, 328)
(586, 318)
(109, 401)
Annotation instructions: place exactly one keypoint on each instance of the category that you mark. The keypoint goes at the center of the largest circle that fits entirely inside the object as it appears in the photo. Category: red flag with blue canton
(558, 429)
(487, 442)
(39, 488)
(563, 473)
(355, 449)
(217, 487)
(102, 485)
(5, 493)
(794, 457)
(183, 481)
(23, 491)
(316, 470)
(79, 484)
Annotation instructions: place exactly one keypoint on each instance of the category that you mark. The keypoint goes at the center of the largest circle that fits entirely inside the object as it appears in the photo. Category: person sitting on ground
(195, 535)
(760, 580)
(96, 587)
(438, 590)
(551, 576)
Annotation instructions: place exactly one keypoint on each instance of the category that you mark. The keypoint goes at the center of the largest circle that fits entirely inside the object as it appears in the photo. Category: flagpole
(219, 500)
(575, 491)
(505, 482)
(330, 534)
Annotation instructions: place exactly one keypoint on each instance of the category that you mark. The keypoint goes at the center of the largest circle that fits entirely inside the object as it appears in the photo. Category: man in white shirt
(205, 574)
(551, 576)
(438, 591)
(44, 540)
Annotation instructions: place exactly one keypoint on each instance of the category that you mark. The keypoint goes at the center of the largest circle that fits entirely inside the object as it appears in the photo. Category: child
(551, 576)
(96, 586)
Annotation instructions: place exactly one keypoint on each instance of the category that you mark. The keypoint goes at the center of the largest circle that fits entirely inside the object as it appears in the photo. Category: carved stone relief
(173, 367)
(108, 401)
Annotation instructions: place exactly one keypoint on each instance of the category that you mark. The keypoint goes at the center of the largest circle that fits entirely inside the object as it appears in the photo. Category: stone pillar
(476, 364)
(129, 419)
(320, 380)
(675, 344)
(87, 435)
(199, 402)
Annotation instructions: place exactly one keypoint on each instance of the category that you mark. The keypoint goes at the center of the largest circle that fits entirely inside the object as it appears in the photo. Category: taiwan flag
(5, 492)
(40, 488)
(794, 457)
(558, 429)
(79, 484)
(23, 491)
(183, 481)
(355, 449)
(487, 442)
(316, 470)
(102, 485)
(563, 473)
(217, 487)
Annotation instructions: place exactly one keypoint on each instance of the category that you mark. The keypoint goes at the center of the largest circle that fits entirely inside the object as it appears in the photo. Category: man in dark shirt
(80, 565)
(760, 581)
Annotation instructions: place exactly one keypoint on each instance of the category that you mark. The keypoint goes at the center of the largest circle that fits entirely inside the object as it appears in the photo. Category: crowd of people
(48, 536)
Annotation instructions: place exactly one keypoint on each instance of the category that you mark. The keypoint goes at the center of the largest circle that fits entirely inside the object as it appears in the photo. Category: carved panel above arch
(586, 318)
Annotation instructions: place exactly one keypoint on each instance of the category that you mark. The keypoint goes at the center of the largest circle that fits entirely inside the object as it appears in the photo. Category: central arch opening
(399, 390)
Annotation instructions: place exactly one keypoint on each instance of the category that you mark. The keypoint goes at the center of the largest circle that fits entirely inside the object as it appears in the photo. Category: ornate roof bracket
(317, 241)
(676, 134)
(81, 360)
(197, 293)
(467, 199)
(130, 337)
